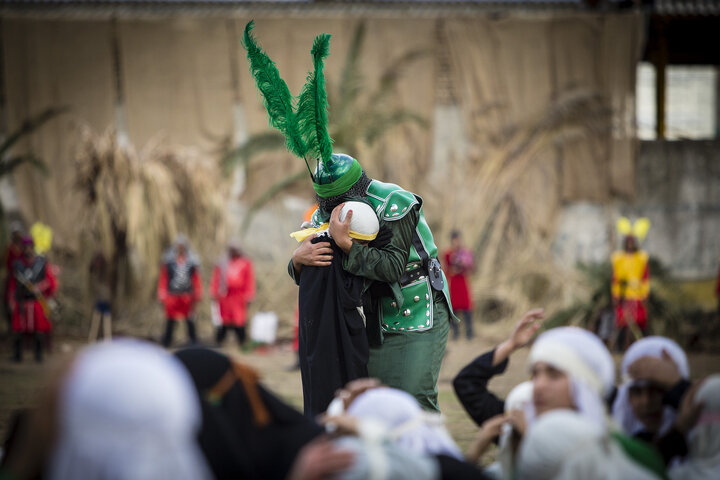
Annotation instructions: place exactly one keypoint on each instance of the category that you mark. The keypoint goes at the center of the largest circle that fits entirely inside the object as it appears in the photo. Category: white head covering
(364, 224)
(404, 421)
(127, 411)
(646, 347)
(375, 461)
(519, 398)
(703, 461)
(565, 445)
(586, 361)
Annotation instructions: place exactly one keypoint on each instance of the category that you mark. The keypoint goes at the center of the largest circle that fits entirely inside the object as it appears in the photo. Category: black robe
(471, 388)
(234, 446)
(333, 346)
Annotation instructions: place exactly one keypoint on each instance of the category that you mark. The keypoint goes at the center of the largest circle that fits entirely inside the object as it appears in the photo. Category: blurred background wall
(515, 121)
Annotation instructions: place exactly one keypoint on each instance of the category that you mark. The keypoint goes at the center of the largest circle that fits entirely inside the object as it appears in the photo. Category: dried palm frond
(135, 203)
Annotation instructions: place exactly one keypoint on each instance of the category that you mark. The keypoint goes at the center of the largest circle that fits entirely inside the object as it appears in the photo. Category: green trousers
(411, 361)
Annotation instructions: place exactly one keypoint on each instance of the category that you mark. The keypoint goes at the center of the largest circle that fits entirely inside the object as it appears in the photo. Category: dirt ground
(19, 383)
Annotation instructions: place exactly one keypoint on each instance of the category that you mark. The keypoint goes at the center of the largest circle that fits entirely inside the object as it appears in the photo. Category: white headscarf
(518, 399)
(128, 411)
(703, 461)
(585, 360)
(404, 422)
(646, 347)
(565, 445)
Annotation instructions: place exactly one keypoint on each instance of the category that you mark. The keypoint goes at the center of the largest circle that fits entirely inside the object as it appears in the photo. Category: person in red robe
(233, 287)
(459, 263)
(30, 285)
(14, 252)
(179, 288)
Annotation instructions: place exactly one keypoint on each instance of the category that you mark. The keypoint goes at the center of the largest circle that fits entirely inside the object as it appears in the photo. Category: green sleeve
(385, 264)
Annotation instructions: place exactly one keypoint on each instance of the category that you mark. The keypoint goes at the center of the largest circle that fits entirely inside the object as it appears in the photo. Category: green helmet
(337, 176)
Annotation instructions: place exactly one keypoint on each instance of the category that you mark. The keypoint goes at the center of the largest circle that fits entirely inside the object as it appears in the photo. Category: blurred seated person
(656, 377)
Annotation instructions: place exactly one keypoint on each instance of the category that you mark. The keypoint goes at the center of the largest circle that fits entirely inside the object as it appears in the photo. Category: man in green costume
(409, 304)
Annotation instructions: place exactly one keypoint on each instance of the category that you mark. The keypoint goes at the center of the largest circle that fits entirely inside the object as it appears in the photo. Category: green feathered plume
(276, 94)
(313, 105)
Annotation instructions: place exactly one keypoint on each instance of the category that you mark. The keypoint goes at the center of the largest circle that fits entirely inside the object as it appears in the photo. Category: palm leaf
(351, 77)
(380, 123)
(29, 126)
(269, 194)
(254, 145)
(7, 165)
(389, 78)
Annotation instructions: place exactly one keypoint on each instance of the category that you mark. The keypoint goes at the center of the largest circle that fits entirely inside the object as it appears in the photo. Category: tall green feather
(313, 106)
(276, 94)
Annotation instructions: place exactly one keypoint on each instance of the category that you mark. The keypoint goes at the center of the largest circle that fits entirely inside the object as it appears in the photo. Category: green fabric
(5, 475)
(397, 204)
(415, 313)
(642, 453)
(337, 178)
(386, 264)
(412, 362)
(275, 93)
(313, 106)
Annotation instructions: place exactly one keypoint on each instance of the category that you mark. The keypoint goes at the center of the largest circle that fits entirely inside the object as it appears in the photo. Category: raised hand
(526, 328)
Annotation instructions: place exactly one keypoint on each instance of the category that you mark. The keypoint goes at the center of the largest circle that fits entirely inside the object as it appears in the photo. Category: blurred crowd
(127, 409)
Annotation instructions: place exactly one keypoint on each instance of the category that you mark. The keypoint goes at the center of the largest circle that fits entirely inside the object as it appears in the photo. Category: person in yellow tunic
(630, 283)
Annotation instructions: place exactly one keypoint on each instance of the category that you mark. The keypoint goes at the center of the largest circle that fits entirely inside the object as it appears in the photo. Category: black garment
(471, 388)
(170, 327)
(179, 277)
(39, 341)
(453, 469)
(221, 332)
(33, 274)
(333, 347)
(468, 325)
(671, 445)
(235, 447)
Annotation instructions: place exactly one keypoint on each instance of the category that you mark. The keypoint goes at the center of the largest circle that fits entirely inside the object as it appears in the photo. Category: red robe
(630, 287)
(28, 316)
(458, 264)
(13, 253)
(233, 286)
(178, 305)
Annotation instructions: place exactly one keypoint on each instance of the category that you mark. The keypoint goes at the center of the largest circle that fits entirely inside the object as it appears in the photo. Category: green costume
(414, 312)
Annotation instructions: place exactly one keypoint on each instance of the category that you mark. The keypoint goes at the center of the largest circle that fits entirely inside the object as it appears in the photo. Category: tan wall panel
(176, 76)
(53, 63)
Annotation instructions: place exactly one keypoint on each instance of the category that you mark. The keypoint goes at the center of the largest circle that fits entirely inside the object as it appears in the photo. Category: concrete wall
(677, 186)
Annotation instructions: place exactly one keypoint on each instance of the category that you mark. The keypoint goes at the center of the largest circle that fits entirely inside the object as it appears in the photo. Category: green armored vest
(413, 311)
(411, 308)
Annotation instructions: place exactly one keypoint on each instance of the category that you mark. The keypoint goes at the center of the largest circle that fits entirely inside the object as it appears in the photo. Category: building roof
(150, 8)
(686, 7)
(402, 7)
